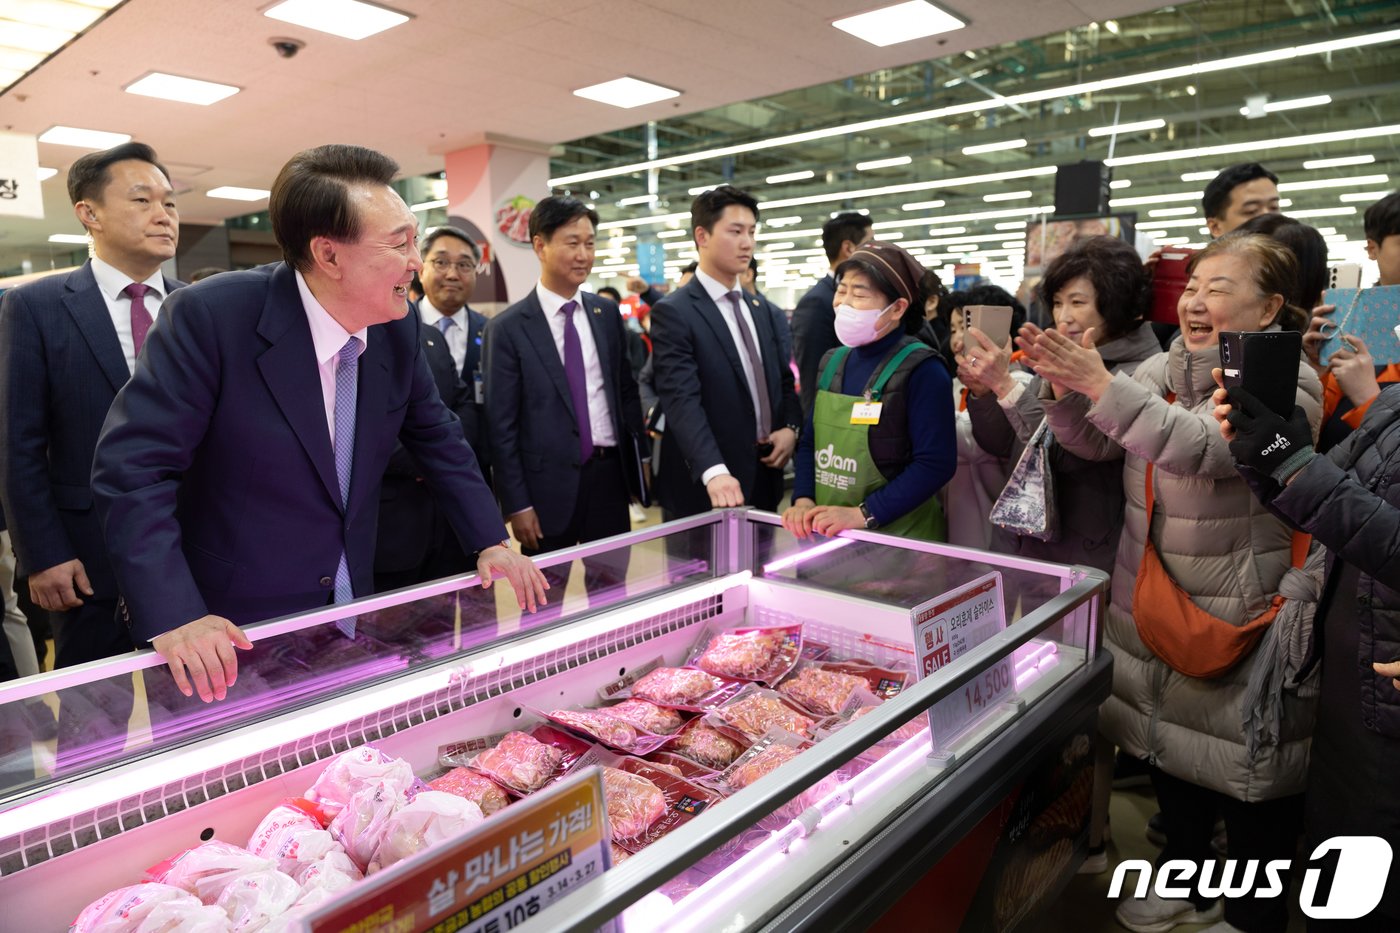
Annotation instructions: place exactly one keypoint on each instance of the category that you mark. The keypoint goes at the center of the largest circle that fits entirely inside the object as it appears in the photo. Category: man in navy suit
(565, 414)
(70, 342)
(732, 415)
(237, 475)
(814, 318)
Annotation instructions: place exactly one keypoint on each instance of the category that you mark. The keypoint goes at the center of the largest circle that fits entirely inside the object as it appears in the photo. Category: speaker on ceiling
(1082, 188)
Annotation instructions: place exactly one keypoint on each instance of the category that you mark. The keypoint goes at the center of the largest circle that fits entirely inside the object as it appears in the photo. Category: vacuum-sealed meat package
(352, 770)
(479, 789)
(681, 766)
(614, 733)
(762, 653)
(149, 906)
(710, 746)
(682, 801)
(685, 688)
(432, 817)
(821, 690)
(770, 752)
(523, 763)
(756, 710)
(644, 714)
(634, 802)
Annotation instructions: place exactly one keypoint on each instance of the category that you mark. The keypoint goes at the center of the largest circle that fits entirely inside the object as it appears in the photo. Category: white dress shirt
(327, 337)
(718, 292)
(110, 282)
(455, 333)
(599, 415)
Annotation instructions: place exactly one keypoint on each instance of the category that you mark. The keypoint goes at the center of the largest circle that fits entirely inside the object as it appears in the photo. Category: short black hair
(930, 286)
(457, 233)
(88, 176)
(558, 210)
(611, 292)
(753, 265)
(690, 267)
(708, 206)
(846, 227)
(1383, 218)
(996, 295)
(1122, 287)
(1308, 247)
(311, 197)
(1216, 199)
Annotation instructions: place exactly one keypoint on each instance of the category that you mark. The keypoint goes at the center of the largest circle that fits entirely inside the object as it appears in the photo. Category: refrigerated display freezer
(973, 824)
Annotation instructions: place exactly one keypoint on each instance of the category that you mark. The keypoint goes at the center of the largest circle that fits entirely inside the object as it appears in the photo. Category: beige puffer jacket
(1219, 544)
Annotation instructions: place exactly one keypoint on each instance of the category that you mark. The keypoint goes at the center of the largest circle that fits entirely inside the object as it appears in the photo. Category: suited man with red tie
(562, 403)
(70, 342)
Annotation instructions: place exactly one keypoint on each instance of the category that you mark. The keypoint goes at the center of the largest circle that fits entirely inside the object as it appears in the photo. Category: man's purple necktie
(578, 385)
(140, 317)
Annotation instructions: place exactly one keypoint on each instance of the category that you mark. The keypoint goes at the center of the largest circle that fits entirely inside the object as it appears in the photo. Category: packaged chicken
(768, 753)
(480, 790)
(523, 763)
(646, 715)
(250, 900)
(682, 801)
(619, 854)
(149, 906)
(430, 818)
(206, 869)
(756, 710)
(612, 732)
(881, 747)
(821, 690)
(763, 654)
(710, 746)
(361, 824)
(291, 835)
(680, 765)
(634, 802)
(354, 769)
(333, 871)
(685, 688)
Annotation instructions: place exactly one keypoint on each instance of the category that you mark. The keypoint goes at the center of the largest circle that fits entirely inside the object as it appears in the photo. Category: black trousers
(92, 719)
(1265, 831)
(599, 512)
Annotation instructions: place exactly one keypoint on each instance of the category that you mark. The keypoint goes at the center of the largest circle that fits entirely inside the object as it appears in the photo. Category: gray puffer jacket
(1218, 543)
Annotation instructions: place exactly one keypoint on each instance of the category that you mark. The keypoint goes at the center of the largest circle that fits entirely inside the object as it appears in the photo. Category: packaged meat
(619, 854)
(764, 654)
(460, 754)
(290, 835)
(430, 818)
(708, 745)
(768, 753)
(333, 871)
(646, 715)
(361, 823)
(820, 689)
(206, 869)
(149, 906)
(682, 801)
(756, 710)
(480, 790)
(685, 688)
(252, 899)
(764, 762)
(523, 763)
(680, 765)
(354, 769)
(634, 803)
(612, 732)
(622, 686)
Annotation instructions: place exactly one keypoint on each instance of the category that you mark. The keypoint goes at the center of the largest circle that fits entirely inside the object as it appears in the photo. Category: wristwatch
(796, 429)
(870, 521)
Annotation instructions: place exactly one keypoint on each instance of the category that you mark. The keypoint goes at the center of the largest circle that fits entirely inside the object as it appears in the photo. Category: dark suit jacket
(408, 524)
(215, 477)
(709, 410)
(60, 368)
(531, 414)
(813, 334)
(473, 421)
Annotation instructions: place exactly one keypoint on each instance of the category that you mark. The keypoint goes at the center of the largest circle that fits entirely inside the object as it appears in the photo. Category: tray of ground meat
(646, 715)
(707, 745)
(634, 802)
(821, 690)
(762, 654)
(464, 782)
(756, 710)
(614, 733)
(685, 688)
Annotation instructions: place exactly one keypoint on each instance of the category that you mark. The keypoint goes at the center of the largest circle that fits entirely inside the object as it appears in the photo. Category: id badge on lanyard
(866, 412)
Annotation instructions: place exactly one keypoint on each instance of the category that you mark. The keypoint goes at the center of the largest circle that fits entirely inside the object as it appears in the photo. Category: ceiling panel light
(1122, 128)
(83, 139)
(782, 221)
(700, 189)
(1363, 196)
(1274, 106)
(1258, 145)
(789, 176)
(637, 199)
(1172, 212)
(420, 206)
(921, 206)
(1012, 225)
(45, 173)
(233, 193)
(946, 231)
(626, 92)
(1200, 176)
(894, 235)
(184, 90)
(68, 238)
(1119, 185)
(32, 37)
(994, 147)
(909, 187)
(643, 221)
(1339, 161)
(785, 234)
(1324, 212)
(902, 22)
(1007, 196)
(349, 19)
(668, 234)
(1317, 183)
(883, 163)
(1156, 199)
(1188, 222)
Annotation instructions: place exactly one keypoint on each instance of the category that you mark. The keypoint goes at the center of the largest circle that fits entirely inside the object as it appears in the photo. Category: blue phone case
(1368, 313)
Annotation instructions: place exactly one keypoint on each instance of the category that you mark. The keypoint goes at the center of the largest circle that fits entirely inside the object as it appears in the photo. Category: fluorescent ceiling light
(83, 139)
(1011, 225)
(1363, 196)
(785, 234)
(1324, 212)
(420, 206)
(1257, 145)
(1121, 128)
(1188, 222)
(883, 163)
(1200, 176)
(959, 218)
(1334, 182)
(68, 238)
(183, 90)
(902, 22)
(789, 176)
(1339, 161)
(1156, 199)
(350, 19)
(912, 186)
(864, 211)
(45, 173)
(700, 189)
(637, 199)
(1274, 106)
(921, 206)
(668, 234)
(233, 193)
(644, 221)
(618, 238)
(994, 147)
(782, 221)
(32, 37)
(1172, 212)
(1118, 185)
(946, 231)
(1158, 76)
(893, 235)
(1007, 196)
(626, 92)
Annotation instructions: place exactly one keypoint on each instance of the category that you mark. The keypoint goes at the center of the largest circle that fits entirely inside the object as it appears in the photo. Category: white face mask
(856, 328)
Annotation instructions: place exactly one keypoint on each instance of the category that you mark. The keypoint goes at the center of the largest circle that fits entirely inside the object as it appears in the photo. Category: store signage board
(945, 628)
(519, 862)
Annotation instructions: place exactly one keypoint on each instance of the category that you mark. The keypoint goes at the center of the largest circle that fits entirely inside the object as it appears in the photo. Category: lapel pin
(597, 310)
(431, 344)
(755, 302)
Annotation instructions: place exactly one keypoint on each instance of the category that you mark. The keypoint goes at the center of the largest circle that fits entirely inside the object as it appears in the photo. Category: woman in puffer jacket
(1349, 500)
(1222, 548)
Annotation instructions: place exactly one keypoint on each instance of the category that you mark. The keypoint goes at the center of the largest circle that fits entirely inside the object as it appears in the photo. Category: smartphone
(1265, 364)
(1344, 275)
(1168, 282)
(992, 320)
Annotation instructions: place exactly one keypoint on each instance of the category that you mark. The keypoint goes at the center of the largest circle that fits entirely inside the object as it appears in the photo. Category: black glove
(1264, 441)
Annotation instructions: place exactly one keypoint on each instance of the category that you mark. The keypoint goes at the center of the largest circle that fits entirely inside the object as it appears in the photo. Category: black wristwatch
(870, 522)
(796, 429)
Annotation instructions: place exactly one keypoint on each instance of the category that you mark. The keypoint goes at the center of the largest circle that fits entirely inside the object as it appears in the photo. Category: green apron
(846, 473)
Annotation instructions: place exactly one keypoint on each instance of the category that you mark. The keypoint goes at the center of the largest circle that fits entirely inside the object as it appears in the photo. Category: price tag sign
(945, 628)
(491, 880)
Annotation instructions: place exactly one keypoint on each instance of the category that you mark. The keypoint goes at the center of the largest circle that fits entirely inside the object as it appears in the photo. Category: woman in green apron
(880, 440)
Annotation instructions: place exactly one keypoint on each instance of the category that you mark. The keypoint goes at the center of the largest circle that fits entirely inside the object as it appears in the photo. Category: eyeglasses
(463, 266)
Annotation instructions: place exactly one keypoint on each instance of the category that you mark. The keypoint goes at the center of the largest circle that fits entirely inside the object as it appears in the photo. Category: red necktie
(140, 317)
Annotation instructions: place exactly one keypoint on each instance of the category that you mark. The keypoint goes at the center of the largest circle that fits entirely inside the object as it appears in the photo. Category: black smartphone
(1265, 363)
